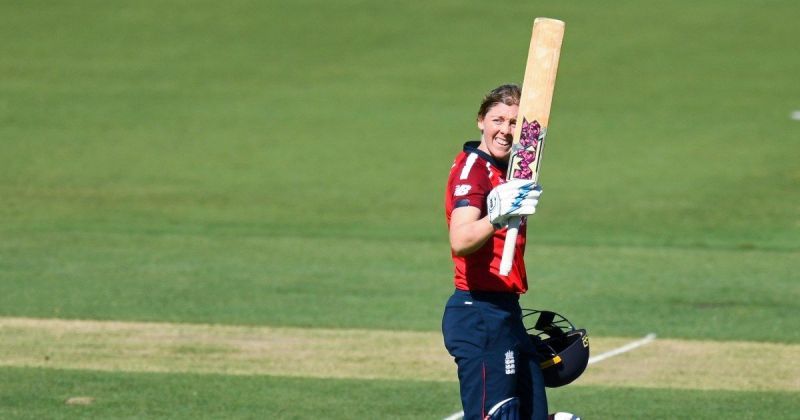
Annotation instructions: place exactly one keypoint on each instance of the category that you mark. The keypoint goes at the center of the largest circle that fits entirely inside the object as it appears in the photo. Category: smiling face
(497, 130)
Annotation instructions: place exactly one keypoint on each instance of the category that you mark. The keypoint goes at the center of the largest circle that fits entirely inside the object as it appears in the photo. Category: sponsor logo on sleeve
(462, 190)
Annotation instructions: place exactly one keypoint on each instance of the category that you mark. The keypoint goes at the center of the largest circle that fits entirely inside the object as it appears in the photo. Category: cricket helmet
(563, 348)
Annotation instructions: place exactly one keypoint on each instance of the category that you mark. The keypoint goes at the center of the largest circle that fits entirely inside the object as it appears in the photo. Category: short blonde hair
(508, 94)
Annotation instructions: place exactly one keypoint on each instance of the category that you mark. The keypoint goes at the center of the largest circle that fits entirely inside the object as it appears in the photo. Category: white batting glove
(517, 197)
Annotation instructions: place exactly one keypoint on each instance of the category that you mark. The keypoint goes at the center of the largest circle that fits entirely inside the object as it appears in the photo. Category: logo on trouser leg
(507, 409)
(510, 365)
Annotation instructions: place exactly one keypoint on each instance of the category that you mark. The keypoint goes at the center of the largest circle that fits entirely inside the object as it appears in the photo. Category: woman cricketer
(482, 324)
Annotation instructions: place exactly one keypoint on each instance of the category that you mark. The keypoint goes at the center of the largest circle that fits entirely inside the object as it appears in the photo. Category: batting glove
(517, 197)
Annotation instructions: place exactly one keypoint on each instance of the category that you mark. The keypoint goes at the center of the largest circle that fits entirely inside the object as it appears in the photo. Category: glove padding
(517, 197)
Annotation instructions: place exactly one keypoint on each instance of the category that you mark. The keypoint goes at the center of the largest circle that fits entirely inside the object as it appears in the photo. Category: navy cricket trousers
(496, 359)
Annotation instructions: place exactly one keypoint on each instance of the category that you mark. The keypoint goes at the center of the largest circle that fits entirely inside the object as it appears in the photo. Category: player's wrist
(496, 224)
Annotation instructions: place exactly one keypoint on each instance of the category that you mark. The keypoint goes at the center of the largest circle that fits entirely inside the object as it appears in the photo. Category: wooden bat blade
(537, 97)
(534, 115)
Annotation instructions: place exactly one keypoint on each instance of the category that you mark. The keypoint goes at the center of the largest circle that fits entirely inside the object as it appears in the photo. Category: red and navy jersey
(473, 175)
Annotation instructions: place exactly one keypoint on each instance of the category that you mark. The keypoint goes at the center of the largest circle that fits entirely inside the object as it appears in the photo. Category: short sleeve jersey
(473, 175)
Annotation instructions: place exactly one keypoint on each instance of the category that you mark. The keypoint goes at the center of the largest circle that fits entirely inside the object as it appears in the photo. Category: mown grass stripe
(367, 354)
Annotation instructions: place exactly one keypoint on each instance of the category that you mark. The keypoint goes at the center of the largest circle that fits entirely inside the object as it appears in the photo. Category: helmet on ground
(563, 348)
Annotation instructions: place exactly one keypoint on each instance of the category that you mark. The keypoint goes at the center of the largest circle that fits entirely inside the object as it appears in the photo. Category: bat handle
(510, 245)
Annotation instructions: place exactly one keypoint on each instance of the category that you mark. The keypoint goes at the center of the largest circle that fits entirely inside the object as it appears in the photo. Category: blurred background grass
(283, 162)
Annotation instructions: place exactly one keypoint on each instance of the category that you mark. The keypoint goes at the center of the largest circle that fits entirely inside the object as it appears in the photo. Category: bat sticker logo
(530, 139)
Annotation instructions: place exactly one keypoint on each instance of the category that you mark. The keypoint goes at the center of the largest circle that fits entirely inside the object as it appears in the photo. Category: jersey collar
(472, 147)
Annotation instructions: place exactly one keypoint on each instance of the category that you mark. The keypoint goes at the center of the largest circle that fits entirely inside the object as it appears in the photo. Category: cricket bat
(534, 115)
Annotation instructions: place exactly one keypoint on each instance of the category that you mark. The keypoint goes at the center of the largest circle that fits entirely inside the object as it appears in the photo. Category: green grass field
(282, 164)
